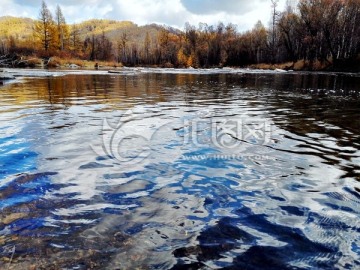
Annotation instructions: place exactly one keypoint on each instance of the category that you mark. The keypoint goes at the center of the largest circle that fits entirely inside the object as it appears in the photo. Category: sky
(175, 13)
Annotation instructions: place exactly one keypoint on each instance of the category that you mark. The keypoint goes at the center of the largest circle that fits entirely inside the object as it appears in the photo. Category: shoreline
(11, 74)
(58, 63)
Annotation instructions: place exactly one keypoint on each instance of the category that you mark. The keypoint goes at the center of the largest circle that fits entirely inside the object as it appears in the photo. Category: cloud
(30, 3)
(244, 13)
(148, 11)
(214, 6)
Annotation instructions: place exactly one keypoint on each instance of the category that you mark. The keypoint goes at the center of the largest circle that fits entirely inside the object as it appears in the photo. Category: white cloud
(149, 11)
(176, 13)
(215, 6)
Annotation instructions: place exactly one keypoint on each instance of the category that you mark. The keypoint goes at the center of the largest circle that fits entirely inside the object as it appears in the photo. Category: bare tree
(147, 44)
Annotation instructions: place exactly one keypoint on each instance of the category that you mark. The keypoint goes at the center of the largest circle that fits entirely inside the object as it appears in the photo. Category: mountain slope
(22, 28)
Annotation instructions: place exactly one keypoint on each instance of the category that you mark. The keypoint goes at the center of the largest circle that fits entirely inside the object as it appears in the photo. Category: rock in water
(4, 76)
(73, 66)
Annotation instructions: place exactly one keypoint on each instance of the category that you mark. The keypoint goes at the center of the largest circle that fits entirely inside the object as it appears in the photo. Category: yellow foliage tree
(45, 28)
(181, 58)
(193, 61)
(63, 33)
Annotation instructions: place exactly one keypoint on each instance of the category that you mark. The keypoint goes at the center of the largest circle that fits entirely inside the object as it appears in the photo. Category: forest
(321, 33)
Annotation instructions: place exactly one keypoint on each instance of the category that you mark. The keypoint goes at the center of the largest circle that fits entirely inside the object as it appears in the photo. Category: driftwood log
(16, 61)
(9, 60)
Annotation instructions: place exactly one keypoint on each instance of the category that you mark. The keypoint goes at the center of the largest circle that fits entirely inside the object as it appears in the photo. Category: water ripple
(288, 199)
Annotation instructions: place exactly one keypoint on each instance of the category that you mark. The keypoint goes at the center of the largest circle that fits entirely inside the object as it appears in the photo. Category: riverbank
(15, 73)
(302, 65)
(18, 61)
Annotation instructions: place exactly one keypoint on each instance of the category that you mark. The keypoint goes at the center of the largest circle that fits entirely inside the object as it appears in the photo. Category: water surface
(189, 171)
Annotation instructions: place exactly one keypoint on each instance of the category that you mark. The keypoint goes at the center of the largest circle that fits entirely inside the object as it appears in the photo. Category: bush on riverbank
(31, 61)
(305, 65)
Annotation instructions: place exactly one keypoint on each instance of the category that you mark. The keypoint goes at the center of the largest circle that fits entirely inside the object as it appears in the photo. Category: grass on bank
(300, 65)
(297, 66)
(344, 65)
(57, 62)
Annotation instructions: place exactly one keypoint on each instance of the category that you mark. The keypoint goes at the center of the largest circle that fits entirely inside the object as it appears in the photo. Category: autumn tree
(75, 41)
(205, 36)
(215, 44)
(349, 30)
(62, 28)
(122, 47)
(147, 45)
(191, 39)
(163, 40)
(181, 58)
(290, 33)
(258, 40)
(4, 46)
(325, 31)
(104, 48)
(45, 28)
(167, 47)
(229, 43)
(273, 30)
(134, 55)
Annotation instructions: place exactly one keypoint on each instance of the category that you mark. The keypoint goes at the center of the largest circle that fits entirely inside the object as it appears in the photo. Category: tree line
(311, 30)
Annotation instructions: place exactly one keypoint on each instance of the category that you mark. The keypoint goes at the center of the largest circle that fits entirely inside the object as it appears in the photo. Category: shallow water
(180, 171)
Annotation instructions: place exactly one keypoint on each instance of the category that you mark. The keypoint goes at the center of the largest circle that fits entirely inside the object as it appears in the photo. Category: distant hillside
(319, 35)
(19, 28)
(22, 28)
(115, 29)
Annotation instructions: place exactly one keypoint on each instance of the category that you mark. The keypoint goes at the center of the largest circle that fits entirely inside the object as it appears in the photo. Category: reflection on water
(292, 203)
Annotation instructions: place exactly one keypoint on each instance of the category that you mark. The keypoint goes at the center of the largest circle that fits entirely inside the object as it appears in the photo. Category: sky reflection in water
(292, 203)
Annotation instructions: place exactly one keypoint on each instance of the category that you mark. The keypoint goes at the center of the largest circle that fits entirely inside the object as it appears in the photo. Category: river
(180, 170)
